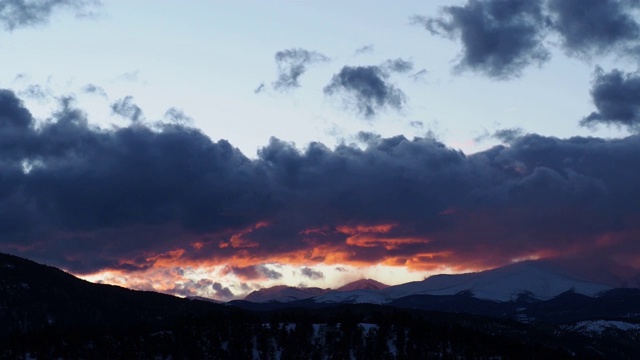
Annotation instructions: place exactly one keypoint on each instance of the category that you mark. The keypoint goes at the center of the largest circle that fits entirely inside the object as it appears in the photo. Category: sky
(215, 148)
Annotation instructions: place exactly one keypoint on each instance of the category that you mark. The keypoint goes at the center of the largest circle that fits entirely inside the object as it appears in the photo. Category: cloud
(594, 27)
(68, 155)
(616, 96)
(499, 38)
(222, 292)
(366, 49)
(177, 116)
(94, 89)
(16, 14)
(398, 65)
(16, 122)
(256, 272)
(367, 89)
(126, 108)
(20, 77)
(419, 75)
(129, 76)
(368, 137)
(292, 63)
(141, 198)
(269, 273)
(36, 91)
(188, 287)
(259, 89)
(507, 136)
(311, 274)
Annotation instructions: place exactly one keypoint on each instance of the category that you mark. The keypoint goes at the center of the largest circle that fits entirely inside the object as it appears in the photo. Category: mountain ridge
(363, 284)
(36, 296)
(538, 279)
(48, 313)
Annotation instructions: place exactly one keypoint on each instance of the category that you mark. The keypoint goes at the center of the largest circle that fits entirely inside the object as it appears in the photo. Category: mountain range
(538, 280)
(532, 307)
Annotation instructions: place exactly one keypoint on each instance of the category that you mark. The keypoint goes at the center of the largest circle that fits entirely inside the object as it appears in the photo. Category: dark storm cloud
(539, 190)
(127, 198)
(125, 107)
(589, 27)
(23, 13)
(16, 124)
(292, 63)
(382, 163)
(499, 38)
(68, 175)
(311, 274)
(616, 96)
(367, 89)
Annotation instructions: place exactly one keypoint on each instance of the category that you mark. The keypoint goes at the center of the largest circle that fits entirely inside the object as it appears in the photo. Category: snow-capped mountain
(74, 317)
(538, 280)
(363, 284)
(283, 293)
(360, 291)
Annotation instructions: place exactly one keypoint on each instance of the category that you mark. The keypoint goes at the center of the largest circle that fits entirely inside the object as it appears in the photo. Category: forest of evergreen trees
(48, 314)
(300, 334)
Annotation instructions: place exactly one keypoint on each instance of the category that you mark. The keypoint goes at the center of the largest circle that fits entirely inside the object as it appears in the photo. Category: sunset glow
(217, 148)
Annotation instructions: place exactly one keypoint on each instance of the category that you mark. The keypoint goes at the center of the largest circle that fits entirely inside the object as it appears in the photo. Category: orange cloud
(359, 229)
(390, 243)
(363, 245)
(237, 240)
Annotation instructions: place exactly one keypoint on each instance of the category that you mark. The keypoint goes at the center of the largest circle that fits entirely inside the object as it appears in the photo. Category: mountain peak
(284, 293)
(363, 284)
(536, 278)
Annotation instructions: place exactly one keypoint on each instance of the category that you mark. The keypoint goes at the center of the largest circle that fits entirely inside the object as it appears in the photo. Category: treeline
(345, 333)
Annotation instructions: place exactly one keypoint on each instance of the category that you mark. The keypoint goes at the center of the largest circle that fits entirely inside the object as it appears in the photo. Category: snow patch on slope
(597, 327)
(502, 284)
(536, 279)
